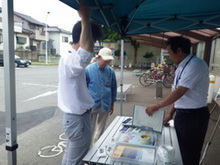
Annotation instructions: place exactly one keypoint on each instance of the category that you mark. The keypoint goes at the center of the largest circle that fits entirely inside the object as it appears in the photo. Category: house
(29, 33)
(33, 36)
(60, 40)
(17, 31)
(30, 36)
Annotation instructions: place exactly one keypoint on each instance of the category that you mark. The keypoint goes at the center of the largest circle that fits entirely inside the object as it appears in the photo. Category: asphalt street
(36, 88)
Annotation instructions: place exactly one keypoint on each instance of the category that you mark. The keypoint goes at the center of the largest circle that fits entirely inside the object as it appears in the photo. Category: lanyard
(179, 75)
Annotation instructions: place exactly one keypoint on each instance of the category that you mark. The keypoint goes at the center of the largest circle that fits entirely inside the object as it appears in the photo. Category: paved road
(36, 96)
(33, 85)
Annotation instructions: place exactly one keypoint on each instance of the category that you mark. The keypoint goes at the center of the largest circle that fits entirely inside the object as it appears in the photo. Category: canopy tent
(153, 16)
(129, 17)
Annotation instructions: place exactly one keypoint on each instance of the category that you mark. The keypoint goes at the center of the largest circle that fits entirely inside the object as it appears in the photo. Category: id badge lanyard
(180, 74)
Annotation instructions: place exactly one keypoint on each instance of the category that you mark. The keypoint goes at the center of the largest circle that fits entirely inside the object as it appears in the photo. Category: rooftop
(57, 29)
(28, 18)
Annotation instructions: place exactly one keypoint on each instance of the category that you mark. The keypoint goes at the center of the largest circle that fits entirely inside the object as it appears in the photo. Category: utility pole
(46, 39)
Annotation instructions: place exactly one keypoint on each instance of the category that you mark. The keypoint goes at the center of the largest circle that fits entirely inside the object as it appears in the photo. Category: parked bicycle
(151, 76)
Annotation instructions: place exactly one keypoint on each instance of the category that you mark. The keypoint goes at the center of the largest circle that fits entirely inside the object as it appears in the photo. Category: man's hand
(167, 119)
(112, 109)
(151, 109)
(84, 11)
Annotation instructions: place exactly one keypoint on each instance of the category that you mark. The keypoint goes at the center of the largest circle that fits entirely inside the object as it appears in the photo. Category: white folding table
(168, 137)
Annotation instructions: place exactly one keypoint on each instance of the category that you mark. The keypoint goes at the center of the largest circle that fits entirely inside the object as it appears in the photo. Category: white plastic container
(211, 88)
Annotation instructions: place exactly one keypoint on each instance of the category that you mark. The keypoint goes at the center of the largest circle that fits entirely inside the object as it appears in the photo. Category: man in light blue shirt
(188, 100)
(101, 82)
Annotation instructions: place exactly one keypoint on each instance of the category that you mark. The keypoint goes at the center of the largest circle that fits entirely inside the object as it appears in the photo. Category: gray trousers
(99, 119)
(78, 131)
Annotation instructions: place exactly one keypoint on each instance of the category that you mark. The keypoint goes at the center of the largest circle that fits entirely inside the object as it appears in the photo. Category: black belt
(193, 110)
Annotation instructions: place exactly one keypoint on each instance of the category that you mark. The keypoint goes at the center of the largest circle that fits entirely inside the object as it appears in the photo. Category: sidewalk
(47, 133)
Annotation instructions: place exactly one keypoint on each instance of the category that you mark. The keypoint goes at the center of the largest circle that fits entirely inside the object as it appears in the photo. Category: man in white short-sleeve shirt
(188, 99)
(74, 98)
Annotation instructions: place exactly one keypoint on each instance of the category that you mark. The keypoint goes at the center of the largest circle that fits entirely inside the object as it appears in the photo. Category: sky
(60, 15)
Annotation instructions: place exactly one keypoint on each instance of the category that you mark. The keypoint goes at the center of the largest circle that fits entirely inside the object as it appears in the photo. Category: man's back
(73, 95)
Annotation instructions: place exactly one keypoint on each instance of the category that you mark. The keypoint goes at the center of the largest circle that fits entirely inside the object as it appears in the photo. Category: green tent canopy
(152, 16)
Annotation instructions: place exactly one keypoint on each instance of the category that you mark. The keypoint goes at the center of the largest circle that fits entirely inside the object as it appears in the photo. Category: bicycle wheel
(168, 81)
(146, 79)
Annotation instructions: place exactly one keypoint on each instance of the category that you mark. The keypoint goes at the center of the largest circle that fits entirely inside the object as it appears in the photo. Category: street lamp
(46, 39)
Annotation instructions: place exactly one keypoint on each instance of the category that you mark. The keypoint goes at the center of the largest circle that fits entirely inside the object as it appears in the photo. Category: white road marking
(41, 95)
(33, 84)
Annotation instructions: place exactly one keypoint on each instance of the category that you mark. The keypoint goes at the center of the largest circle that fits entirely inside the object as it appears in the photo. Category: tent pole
(9, 76)
(121, 81)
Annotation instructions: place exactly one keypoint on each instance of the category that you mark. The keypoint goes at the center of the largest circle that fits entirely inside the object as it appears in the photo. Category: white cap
(106, 54)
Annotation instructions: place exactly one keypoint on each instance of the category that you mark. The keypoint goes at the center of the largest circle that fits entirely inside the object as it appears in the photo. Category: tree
(136, 45)
(148, 55)
(110, 34)
(114, 36)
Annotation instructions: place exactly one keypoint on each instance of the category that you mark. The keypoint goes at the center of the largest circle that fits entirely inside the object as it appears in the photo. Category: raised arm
(86, 39)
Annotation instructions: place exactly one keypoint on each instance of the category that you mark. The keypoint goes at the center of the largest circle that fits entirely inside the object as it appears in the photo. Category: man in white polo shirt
(74, 98)
(188, 99)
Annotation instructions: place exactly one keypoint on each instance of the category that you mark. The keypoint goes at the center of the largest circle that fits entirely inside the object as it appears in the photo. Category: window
(37, 27)
(43, 32)
(21, 40)
(200, 50)
(65, 39)
(215, 59)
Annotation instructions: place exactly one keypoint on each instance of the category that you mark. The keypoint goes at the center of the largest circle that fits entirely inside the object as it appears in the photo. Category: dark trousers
(191, 126)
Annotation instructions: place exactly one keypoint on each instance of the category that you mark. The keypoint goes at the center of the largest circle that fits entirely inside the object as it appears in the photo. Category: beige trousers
(99, 119)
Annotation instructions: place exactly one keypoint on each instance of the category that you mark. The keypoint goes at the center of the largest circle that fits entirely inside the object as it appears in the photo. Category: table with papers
(167, 137)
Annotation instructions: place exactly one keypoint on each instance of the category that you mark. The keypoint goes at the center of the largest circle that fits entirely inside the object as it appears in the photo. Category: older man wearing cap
(101, 82)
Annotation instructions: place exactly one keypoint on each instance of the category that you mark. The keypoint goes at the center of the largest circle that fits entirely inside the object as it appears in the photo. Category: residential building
(60, 40)
(29, 33)
(34, 30)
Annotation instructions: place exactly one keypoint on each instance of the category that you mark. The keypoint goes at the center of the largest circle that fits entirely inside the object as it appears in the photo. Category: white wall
(55, 36)
(61, 47)
(64, 46)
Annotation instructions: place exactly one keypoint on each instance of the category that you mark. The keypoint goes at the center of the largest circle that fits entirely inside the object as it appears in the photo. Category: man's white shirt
(195, 77)
(73, 94)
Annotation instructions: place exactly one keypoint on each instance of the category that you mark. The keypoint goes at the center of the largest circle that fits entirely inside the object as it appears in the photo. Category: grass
(43, 63)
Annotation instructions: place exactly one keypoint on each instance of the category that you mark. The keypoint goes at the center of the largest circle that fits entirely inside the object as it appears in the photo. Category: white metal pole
(121, 81)
(46, 39)
(9, 79)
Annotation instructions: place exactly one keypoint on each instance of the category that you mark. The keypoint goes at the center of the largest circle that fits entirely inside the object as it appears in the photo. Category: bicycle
(157, 74)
